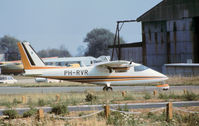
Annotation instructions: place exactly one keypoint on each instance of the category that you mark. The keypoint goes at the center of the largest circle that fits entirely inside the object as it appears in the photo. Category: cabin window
(140, 68)
(58, 63)
(62, 63)
(3, 78)
(49, 63)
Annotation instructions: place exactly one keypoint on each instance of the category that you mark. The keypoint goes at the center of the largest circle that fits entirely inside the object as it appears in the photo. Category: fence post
(40, 114)
(57, 97)
(185, 91)
(107, 110)
(169, 111)
(123, 93)
(154, 92)
(23, 99)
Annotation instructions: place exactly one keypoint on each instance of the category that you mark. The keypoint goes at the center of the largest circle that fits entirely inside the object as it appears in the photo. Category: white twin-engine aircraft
(105, 73)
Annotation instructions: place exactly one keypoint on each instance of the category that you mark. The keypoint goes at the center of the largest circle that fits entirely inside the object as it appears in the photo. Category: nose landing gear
(164, 87)
(107, 87)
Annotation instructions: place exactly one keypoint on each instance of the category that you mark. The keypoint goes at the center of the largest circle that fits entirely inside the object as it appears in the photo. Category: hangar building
(170, 34)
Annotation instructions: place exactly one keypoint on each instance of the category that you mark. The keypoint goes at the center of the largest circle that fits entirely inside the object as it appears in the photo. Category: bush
(190, 96)
(15, 102)
(81, 113)
(30, 103)
(2, 123)
(6, 103)
(147, 96)
(129, 97)
(163, 96)
(189, 119)
(192, 119)
(159, 117)
(60, 109)
(90, 97)
(169, 96)
(41, 102)
(12, 114)
(125, 108)
(121, 119)
(30, 112)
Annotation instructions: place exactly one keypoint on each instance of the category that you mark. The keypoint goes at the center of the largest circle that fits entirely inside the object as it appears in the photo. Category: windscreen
(140, 68)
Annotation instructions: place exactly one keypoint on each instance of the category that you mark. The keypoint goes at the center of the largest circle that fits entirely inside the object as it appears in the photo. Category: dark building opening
(196, 39)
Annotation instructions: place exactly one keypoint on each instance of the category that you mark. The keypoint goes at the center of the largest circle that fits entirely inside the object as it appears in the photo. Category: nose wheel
(107, 87)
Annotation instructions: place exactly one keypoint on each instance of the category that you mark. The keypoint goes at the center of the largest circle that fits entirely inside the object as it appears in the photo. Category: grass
(188, 96)
(179, 80)
(115, 119)
(93, 97)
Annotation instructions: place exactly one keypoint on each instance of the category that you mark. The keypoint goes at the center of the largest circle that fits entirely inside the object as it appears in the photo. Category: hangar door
(196, 39)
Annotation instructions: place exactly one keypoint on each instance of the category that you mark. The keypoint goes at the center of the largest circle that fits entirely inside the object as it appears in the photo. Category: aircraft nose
(160, 75)
(163, 76)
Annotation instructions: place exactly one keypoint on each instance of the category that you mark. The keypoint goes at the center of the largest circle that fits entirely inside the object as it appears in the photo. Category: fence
(107, 111)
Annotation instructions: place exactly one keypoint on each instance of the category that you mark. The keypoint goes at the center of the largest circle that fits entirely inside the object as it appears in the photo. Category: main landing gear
(107, 87)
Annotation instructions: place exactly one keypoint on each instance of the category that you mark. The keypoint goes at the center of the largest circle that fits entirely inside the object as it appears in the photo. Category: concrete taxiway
(21, 90)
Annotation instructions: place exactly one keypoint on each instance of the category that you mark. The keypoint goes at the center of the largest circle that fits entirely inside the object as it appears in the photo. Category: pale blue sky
(52, 23)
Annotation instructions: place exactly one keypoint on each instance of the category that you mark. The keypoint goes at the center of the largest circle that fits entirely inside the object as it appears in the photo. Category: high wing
(120, 66)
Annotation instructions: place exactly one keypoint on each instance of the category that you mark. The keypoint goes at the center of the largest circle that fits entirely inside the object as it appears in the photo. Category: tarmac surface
(21, 90)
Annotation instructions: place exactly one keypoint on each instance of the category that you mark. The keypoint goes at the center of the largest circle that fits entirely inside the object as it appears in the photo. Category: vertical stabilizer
(28, 56)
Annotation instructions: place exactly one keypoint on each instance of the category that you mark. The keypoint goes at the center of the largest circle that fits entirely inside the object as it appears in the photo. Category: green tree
(8, 45)
(98, 40)
(62, 52)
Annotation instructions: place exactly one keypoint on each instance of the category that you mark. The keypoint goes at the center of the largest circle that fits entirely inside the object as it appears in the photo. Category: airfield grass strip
(93, 97)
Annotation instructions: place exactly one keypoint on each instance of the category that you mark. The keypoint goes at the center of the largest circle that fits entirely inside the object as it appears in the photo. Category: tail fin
(29, 57)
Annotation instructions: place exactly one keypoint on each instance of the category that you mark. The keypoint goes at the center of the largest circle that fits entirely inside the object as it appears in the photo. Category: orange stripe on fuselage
(115, 80)
(103, 78)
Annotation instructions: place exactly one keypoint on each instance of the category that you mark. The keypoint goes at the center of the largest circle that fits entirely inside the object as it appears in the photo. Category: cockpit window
(140, 68)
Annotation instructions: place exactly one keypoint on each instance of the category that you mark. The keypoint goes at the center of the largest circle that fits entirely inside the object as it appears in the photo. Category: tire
(109, 89)
(104, 88)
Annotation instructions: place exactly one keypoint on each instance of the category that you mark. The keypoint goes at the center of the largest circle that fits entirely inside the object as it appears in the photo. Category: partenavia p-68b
(105, 73)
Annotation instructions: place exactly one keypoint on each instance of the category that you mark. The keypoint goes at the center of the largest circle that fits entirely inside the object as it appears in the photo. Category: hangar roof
(171, 9)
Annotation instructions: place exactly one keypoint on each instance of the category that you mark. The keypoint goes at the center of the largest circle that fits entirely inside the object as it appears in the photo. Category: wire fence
(124, 112)
(187, 111)
(77, 117)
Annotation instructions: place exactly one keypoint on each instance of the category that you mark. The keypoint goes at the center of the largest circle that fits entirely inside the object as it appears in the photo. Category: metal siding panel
(180, 36)
(187, 36)
(179, 70)
(196, 70)
(171, 37)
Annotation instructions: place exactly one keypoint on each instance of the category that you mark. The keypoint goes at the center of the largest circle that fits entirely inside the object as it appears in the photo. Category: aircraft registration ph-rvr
(106, 73)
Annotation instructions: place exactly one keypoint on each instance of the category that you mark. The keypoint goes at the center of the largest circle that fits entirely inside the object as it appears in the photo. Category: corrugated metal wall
(131, 54)
(168, 42)
(180, 39)
(156, 43)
